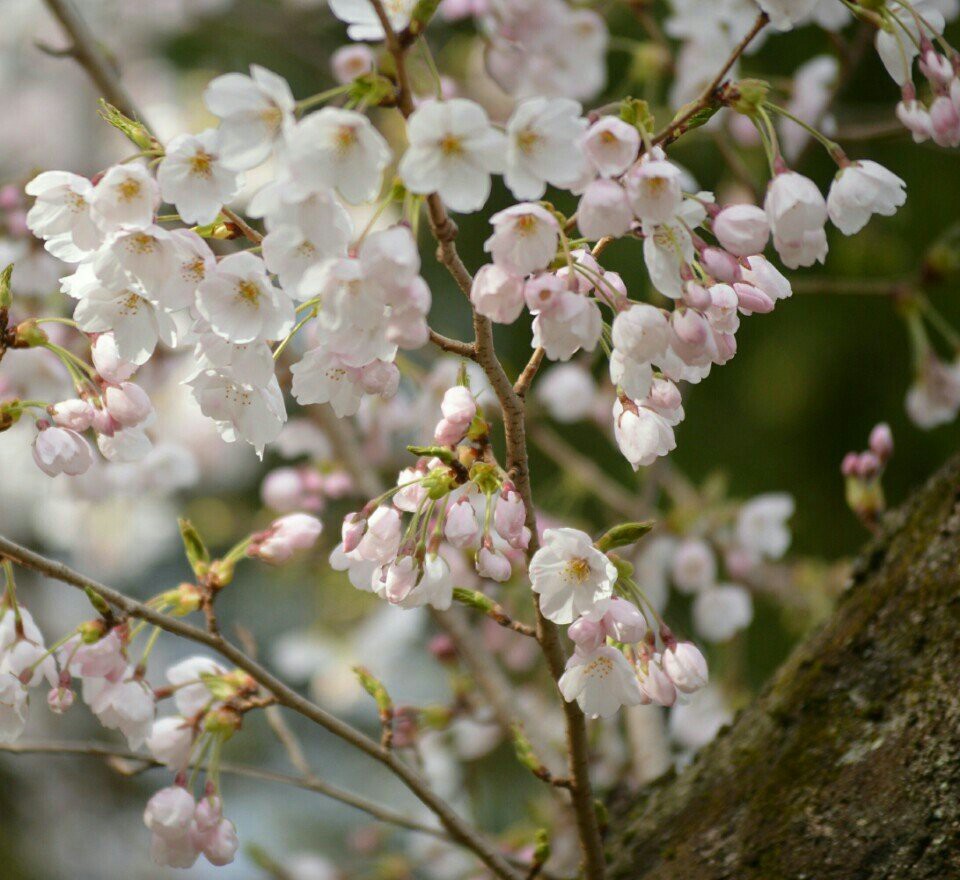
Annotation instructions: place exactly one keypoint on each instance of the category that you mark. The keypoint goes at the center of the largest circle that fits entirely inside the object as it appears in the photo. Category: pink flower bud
(59, 699)
(458, 405)
(509, 517)
(944, 122)
(868, 465)
(461, 527)
(400, 578)
(656, 686)
(494, 565)
(587, 634)
(624, 622)
(61, 451)
(915, 118)
(283, 490)
(881, 442)
(721, 265)
(380, 377)
(104, 423)
(352, 532)
(349, 62)
(221, 844)
(276, 545)
(75, 414)
(107, 360)
(448, 433)
(127, 403)
(697, 296)
(850, 464)
(497, 294)
(690, 326)
(936, 67)
(753, 299)
(743, 230)
(169, 812)
(686, 667)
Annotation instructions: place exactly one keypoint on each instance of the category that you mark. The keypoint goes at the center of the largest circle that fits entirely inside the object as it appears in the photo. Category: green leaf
(623, 534)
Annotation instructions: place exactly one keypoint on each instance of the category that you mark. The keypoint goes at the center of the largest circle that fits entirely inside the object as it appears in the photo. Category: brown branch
(248, 231)
(709, 97)
(305, 782)
(459, 830)
(454, 346)
(88, 52)
(514, 420)
(525, 379)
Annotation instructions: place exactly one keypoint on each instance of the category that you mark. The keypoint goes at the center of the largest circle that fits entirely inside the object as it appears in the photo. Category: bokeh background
(808, 383)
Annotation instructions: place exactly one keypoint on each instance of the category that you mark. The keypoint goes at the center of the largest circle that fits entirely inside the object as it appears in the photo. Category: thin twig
(86, 49)
(514, 421)
(459, 830)
(307, 783)
(708, 97)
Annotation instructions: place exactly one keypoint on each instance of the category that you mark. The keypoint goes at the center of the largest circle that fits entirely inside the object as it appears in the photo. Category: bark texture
(848, 766)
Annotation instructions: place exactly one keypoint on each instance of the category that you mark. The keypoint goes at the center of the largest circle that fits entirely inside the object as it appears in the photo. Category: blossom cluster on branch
(291, 300)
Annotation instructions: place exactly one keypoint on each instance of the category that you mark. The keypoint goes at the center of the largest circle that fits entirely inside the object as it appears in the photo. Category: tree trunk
(848, 765)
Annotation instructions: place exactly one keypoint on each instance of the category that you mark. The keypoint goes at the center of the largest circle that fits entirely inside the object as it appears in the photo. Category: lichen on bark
(848, 765)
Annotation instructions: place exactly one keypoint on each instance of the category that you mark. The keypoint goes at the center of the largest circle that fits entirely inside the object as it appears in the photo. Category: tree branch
(514, 421)
(459, 830)
(708, 97)
(305, 782)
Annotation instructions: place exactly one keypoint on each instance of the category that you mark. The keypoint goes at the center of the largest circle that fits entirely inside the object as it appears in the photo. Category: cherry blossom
(193, 179)
(453, 151)
(254, 113)
(571, 576)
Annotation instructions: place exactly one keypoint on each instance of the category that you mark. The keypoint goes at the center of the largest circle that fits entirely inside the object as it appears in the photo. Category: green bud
(184, 600)
(91, 631)
(6, 294)
(636, 112)
(221, 687)
(603, 815)
(473, 599)
(650, 61)
(441, 452)
(541, 847)
(220, 573)
(196, 551)
(223, 722)
(375, 688)
(750, 96)
(10, 413)
(486, 477)
(98, 602)
(623, 534)
(371, 89)
(439, 483)
(132, 130)
(28, 334)
(524, 749)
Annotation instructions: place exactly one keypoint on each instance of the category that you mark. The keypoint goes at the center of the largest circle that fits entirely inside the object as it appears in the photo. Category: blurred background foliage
(807, 384)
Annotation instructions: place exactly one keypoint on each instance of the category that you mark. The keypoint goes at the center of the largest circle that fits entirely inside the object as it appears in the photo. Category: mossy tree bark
(848, 766)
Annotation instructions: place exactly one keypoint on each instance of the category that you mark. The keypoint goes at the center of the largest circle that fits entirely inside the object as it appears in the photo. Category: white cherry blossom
(338, 149)
(241, 303)
(255, 111)
(571, 576)
(543, 146)
(453, 151)
(193, 178)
